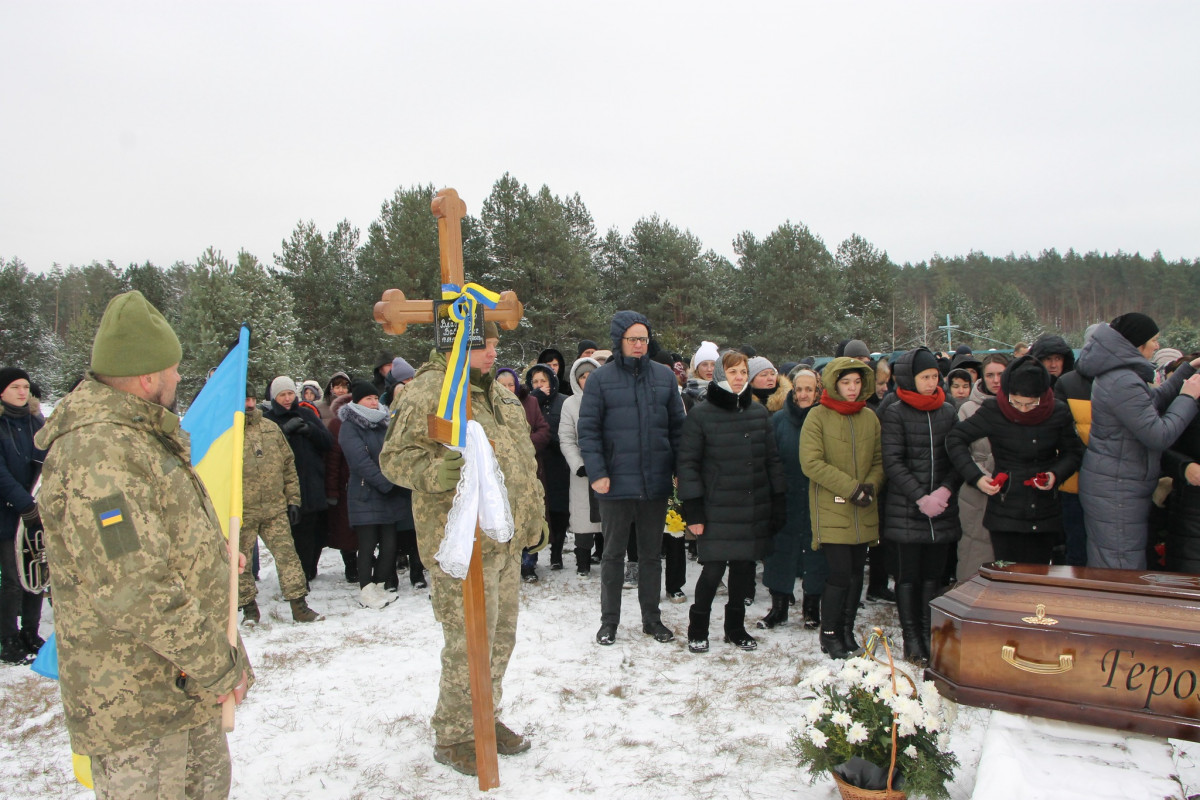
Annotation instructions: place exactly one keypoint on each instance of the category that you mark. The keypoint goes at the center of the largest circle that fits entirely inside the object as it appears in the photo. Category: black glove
(32, 517)
(581, 472)
(293, 515)
(863, 496)
(295, 425)
(778, 512)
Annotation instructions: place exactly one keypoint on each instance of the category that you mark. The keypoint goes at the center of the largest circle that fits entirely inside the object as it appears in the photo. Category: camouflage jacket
(139, 573)
(410, 458)
(269, 482)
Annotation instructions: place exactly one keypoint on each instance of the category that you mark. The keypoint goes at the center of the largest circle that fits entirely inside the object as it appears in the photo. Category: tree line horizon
(786, 293)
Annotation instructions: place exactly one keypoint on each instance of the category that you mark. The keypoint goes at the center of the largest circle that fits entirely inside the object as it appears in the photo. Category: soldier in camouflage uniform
(410, 458)
(270, 491)
(140, 572)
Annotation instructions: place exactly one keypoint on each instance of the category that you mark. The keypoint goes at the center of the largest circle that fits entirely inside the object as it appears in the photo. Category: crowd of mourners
(900, 474)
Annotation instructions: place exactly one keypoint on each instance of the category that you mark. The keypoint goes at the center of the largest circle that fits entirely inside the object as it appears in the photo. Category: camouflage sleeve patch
(117, 533)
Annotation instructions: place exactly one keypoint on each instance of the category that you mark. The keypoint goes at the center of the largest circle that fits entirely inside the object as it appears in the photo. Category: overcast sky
(150, 131)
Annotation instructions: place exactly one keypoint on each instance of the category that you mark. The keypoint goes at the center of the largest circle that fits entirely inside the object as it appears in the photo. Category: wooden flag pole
(235, 533)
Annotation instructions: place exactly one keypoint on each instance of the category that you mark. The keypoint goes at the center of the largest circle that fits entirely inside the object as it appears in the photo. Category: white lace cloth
(481, 496)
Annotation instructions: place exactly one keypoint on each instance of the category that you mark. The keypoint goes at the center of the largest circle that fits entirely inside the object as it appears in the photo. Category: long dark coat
(730, 475)
(552, 465)
(371, 498)
(20, 463)
(1183, 526)
(337, 480)
(309, 449)
(916, 463)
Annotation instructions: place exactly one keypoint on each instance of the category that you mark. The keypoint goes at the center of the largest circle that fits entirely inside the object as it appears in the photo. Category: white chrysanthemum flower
(931, 723)
(815, 710)
(841, 719)
(943, 742)
(906, 727)
(816, 737)
(857, 733)
(911, 751)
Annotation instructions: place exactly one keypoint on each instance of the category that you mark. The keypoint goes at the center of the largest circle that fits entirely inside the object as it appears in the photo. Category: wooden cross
(396, 313)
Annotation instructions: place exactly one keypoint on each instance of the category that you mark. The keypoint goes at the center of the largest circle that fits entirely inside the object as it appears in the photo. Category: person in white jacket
(585, 514)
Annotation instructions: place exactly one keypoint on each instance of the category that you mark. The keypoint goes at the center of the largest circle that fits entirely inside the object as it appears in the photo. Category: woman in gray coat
(1132, 424)
(585, 512)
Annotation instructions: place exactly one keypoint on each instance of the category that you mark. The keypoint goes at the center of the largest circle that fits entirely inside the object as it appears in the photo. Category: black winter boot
(852, 599)
(583, 560)
(735, 626)
(812, 611)
(929, 591)
(698, 630)
(13, 651)
(907, 605)
(778, 615)
(833, 612)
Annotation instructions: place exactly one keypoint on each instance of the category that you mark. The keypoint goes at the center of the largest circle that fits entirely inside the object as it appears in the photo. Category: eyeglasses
(637, 339)
(1020, 406)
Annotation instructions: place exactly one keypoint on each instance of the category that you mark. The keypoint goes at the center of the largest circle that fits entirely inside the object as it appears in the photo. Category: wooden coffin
(1117, 648)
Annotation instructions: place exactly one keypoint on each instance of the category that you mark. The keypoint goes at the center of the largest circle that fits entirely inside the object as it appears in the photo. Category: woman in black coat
(922, 498)
(1035, 447)
(20, 464)
(733, 493)
(553, 470)
(1181, 463)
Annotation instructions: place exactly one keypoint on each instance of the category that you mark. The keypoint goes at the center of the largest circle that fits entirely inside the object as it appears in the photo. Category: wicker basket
(851, 792)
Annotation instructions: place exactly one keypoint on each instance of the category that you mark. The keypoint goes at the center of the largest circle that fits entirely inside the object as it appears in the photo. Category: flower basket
(883, 731)
(851, 792)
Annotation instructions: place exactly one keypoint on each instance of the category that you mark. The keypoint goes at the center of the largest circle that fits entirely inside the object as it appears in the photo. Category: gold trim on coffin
(1041, 618)
(1066, 662)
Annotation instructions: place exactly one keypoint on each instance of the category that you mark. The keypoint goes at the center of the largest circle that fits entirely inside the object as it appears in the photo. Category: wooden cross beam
(396, 313)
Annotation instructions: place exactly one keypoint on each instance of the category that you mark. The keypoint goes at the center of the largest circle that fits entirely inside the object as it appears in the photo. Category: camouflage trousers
(277, 535)
(189, 765)
(452, 719)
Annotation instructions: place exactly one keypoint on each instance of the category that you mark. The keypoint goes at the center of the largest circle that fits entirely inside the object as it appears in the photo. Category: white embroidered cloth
(481, 496)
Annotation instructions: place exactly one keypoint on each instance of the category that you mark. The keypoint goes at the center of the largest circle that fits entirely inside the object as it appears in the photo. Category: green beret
(133, 339)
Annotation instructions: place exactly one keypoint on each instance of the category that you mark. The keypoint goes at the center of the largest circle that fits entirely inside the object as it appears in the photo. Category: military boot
(508, 741)
(459, 757)
(302, 613)
(250, 615)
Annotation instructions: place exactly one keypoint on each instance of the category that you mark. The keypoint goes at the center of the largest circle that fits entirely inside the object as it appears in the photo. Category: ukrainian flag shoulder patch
(117, 533)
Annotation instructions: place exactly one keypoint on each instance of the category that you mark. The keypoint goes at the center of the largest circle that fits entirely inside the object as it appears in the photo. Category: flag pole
(235, 529)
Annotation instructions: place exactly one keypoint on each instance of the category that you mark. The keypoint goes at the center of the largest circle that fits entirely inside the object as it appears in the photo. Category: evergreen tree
(868, 281)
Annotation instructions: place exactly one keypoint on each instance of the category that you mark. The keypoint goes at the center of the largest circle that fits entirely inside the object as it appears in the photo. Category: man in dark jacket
(629, 426)
(1055, 354)
(309, 440)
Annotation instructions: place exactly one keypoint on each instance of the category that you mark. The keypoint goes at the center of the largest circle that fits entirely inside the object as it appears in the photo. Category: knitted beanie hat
(134, 338)
(361, 389)
(1136, 327)
(281, 384)
(10, 374)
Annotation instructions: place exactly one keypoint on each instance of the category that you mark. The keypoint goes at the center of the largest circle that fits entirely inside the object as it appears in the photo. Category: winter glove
(331, 501)
(448, 471)
(1039, 481)
(934, 503)
(863, 495)
(581, 472)
(295, 425)
(999, 479)
(543, 538)
(778, 512)
(32, 517)
(293, 515)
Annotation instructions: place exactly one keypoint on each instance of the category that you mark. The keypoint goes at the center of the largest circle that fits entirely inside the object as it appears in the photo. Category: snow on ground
(341, 707)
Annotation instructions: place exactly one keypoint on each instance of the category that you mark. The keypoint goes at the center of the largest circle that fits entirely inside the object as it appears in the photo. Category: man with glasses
(629, 425)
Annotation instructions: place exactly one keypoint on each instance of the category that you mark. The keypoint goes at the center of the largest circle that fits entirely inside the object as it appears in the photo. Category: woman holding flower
(732, 488)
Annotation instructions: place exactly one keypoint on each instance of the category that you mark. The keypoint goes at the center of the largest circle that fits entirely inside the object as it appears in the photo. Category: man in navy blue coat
(629, 425)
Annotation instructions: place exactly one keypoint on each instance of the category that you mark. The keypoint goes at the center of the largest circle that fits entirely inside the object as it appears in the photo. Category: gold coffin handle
(1065, 662)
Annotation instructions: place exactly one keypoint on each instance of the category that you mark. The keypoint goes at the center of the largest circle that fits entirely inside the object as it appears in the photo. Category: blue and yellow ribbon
(452, 405)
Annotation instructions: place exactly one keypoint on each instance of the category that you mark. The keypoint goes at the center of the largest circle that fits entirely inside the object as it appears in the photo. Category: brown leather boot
(509, 742)
(302, 613)
(459, 757)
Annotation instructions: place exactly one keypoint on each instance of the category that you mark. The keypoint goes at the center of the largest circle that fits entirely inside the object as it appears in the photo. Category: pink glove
(934, 503)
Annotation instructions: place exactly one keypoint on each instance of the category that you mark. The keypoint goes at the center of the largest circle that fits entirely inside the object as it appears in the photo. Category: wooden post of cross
(396, 313)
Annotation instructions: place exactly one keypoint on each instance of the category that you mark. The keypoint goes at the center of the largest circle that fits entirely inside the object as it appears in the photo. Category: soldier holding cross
(411, 458)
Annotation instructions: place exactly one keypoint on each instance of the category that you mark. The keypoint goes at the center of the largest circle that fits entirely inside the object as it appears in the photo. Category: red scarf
(922, 402)
(844, 407)
(1036, 416)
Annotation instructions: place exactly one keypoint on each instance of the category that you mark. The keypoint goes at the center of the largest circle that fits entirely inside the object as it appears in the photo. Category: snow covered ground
(341, 711)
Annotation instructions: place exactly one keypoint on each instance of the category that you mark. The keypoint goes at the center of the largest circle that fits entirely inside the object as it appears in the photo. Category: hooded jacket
(1132, 424)
(552, 467)
(630, 421)
(1051, 344)
(140, 573)
(568, 443)
(325, 406)
(563, 383)
(837, 453)
(916, 463)
(787, 424)
(730, 475)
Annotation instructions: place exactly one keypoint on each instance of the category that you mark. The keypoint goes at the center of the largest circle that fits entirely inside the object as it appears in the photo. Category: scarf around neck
(846, 408)
(15, 411)
(922, 402)
(1036, 416)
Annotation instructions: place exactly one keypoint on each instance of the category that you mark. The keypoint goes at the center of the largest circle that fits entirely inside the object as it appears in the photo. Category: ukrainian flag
(216, 423)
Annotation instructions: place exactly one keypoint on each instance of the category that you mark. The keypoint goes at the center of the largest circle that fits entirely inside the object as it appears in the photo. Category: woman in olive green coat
(841, 455)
